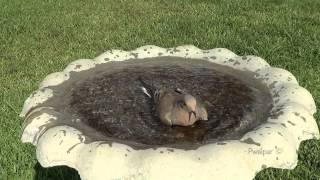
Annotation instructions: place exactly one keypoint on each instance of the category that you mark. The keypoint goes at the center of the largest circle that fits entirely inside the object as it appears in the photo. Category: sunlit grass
(41, 37)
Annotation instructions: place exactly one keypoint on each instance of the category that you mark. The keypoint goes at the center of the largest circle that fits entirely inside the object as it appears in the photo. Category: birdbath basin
(94, 117)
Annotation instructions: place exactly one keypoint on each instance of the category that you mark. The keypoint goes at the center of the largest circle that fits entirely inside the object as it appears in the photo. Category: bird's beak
(190, 114)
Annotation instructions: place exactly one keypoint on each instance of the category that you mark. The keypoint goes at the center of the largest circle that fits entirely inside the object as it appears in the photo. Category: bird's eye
(182, 104)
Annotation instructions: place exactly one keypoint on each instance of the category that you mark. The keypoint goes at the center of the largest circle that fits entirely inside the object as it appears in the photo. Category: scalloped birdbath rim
(272, 144)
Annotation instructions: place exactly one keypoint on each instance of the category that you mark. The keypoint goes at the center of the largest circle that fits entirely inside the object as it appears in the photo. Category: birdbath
(94, 117)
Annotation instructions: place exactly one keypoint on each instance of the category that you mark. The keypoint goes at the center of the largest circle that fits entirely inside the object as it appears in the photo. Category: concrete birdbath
(93, 117)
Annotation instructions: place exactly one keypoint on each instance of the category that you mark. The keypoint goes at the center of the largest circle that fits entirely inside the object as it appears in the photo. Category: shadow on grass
(55, 173)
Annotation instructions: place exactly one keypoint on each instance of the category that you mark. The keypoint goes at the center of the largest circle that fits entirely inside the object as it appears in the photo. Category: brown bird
(175, 107)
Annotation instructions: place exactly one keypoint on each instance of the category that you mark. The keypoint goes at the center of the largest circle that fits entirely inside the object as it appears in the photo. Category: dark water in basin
(110, 101)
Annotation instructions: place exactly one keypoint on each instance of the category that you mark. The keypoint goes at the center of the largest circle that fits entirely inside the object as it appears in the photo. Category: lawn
(41, 37)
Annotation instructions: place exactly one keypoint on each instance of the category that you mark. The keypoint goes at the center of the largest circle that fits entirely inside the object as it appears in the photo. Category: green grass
(41, 37)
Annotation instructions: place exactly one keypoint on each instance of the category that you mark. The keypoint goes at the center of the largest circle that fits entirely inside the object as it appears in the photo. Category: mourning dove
(175, 107)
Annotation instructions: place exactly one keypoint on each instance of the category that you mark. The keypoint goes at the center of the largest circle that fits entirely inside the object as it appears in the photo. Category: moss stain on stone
(250, 141)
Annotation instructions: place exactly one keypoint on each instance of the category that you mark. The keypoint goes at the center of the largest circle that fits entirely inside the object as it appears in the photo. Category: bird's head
(191, 104)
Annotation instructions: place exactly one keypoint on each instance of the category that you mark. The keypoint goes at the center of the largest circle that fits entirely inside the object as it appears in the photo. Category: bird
(174, 106)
